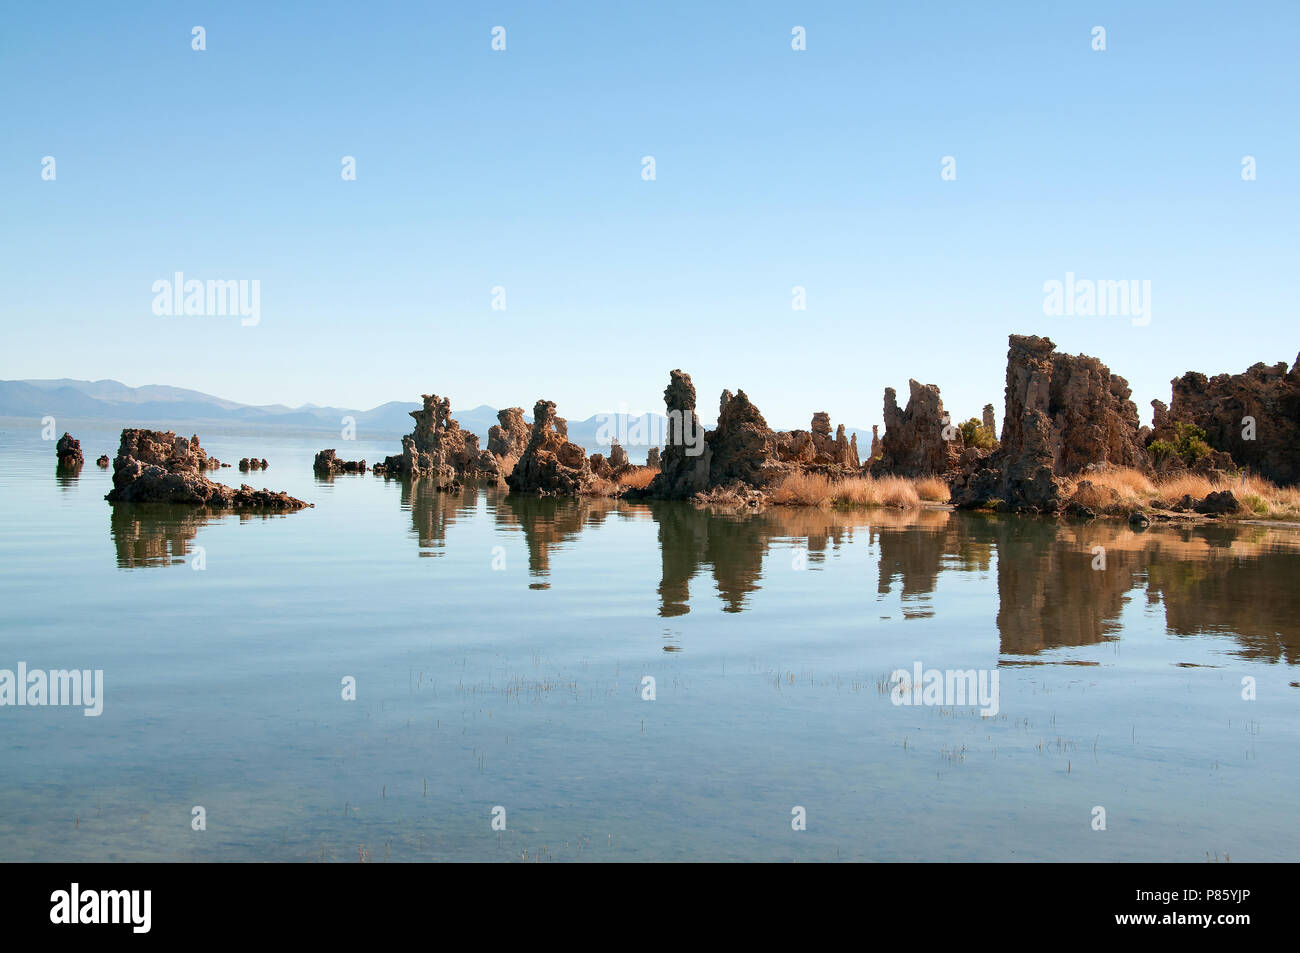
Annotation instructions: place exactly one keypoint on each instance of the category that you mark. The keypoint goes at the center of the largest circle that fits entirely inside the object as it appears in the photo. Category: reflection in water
(66, 477)
(161, 534)
(734, 544)
(155, 534)
(548, 522)
(432, 512)
(1210, 578)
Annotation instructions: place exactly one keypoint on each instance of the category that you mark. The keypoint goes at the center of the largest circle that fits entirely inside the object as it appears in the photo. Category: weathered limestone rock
(815, 447)
(1063, 413)
(617, 457)
(742, 445)
(152, 466)
(550, 463)
(68, 451)
(508, 439)
(327, 461)
(988, 419)
(250, 463)
(875, 442)
(920, 440)
(685, 462)
(652, 458)
(437, 447)
(102, 462)
(1220, 406)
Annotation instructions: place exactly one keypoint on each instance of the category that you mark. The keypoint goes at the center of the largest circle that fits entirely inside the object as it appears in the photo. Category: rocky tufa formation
(816, 447)
(685, 461)
(437, 447)
(68, 451)
(550, 464)
(102, 462)
(152, 466)
(1221, 405)
(919, 440)
(1064, 413)
(507, 441)
(652, 458)
(328, 462)
(245, 464)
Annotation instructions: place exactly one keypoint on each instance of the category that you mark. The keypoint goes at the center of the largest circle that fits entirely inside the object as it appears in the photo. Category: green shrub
(975, 434)
(1160, 450)
(1188, 445)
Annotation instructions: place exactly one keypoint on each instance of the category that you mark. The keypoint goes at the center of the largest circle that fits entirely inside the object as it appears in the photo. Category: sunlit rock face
(154, 466)
(919, 439)
(1064, 413)
(550, 463)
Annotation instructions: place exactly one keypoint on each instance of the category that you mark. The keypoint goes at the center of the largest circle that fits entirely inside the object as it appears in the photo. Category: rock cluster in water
(1065, 415)
(550, 464)
(68, 451)
(438, 447)
(327, 462)
(246, 464)
(152, 466)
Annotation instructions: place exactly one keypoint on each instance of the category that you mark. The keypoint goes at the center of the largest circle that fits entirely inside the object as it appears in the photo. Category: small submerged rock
(327, 461)
(102, 461)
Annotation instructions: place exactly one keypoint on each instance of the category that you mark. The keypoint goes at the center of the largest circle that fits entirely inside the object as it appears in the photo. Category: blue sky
(522, 169)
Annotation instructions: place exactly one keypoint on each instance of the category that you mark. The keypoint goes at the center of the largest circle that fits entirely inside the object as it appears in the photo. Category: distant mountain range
(173, 408)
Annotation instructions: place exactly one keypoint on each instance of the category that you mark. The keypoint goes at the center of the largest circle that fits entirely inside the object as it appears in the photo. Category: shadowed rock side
(68, 451)
(437, 447)
(327, 462)
(742, 447)
(152, 466)
(550, 463)
(919, 440)
(685, 461)
(1219, 405)
(1063, 413)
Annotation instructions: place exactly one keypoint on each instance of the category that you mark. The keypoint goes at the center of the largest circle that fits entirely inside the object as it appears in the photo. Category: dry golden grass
(933, 490)
(802, 489)
(1133, 490)
(815, 489)
(637, 479)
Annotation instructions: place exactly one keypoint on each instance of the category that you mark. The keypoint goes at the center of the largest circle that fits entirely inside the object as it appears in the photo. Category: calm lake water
(499, 646)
